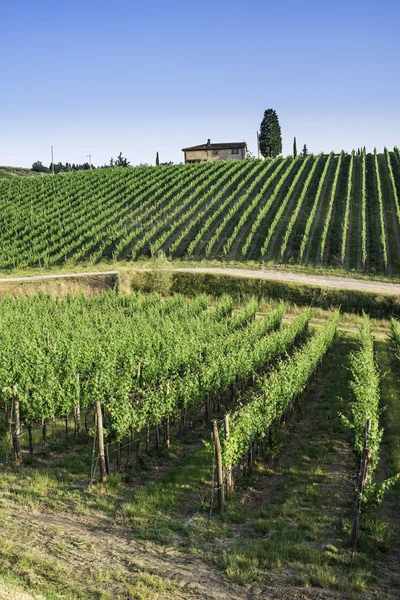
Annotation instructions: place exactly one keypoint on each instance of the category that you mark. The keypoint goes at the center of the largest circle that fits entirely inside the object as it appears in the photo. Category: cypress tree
(294, 148)
(157, 160)
(270, 134)
(305, 151)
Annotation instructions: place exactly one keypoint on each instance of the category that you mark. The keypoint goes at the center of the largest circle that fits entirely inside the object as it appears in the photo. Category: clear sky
(103, 77)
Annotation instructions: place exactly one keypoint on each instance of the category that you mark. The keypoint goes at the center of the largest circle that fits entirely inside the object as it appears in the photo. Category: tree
(270, 136)
(294, 148)
(304, 151)
(39, 167)
(121, 161)
(157, 160)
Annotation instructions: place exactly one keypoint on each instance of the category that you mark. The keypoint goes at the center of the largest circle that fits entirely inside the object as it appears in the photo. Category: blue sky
(101, 77)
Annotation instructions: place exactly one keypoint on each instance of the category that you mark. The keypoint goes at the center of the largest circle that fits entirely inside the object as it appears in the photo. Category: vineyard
(336, 211)
(161, 432)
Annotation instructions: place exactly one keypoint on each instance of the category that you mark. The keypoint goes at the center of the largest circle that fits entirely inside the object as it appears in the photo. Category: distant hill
(331, 211)
(7, 172)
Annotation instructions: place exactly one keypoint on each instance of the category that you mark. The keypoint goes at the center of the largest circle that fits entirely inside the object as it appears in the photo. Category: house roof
(210, 146)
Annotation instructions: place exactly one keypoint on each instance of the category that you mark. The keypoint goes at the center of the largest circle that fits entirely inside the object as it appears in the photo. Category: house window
(215, 152)
(235, 151)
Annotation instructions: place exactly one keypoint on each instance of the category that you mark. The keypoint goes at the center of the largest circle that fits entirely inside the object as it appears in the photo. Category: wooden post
(66, 426)
(77, 410)
(30, 438)
(361, 482)
(138, 449)
(157, 437)
(102, 460)
(17, 428)
(77, 418)
(148, 439)
(87, 419)
(119, 456)
(229, 479)
(44, 433)
(107, 453)
(167, 438)
(218, 456)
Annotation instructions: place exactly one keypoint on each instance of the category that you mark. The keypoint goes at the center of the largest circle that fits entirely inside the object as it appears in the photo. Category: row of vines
(138, 363)
(338, 211)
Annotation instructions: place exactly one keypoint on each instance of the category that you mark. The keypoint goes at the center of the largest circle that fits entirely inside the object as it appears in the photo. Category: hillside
(328, 211)
(8, 172)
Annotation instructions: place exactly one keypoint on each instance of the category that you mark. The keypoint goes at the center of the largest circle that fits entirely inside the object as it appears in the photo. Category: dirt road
(330, 281)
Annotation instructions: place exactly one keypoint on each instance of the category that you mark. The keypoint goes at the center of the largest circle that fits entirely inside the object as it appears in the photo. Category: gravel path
(330, 281)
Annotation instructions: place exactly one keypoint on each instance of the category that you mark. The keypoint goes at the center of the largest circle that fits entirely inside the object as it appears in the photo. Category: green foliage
(58, 354)
(311, 217)
(381, 210)
(39, 167)
(347, 210)
(266, 207)
(282, 207)
(121, 161)
(270, 137)
(296, 212)
(375, 304)
(393, 184)
(364, 208)
(248, 210)
(365, 386)
(365, 407)
(276, 391)
(330, 208)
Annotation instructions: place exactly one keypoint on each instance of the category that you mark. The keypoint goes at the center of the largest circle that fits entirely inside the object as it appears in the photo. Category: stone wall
(212, 155)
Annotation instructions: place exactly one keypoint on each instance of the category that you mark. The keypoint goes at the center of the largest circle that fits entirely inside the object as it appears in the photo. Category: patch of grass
(350, 582)
(156, 511)
(149, 587)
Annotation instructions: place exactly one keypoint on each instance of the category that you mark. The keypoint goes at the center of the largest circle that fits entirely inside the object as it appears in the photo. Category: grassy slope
(147, 534)
(7, 172)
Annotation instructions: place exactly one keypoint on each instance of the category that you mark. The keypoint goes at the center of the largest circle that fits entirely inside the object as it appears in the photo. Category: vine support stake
(17, 428)
(157, 437)
(102, 459)
(229, 479)
(166, 433)
(361, 482)
(44, 432)
(218, 455)
(148, 439)
(30, 438)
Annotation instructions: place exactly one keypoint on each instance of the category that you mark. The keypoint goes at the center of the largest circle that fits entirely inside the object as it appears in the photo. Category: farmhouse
(210, 152)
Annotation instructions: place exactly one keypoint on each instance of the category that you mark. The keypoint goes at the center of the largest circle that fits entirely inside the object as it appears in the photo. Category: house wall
(212, 155)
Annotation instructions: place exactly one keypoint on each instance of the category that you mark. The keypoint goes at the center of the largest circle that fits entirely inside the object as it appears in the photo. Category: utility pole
(52, 160)
(258, 144)
(90, 160)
